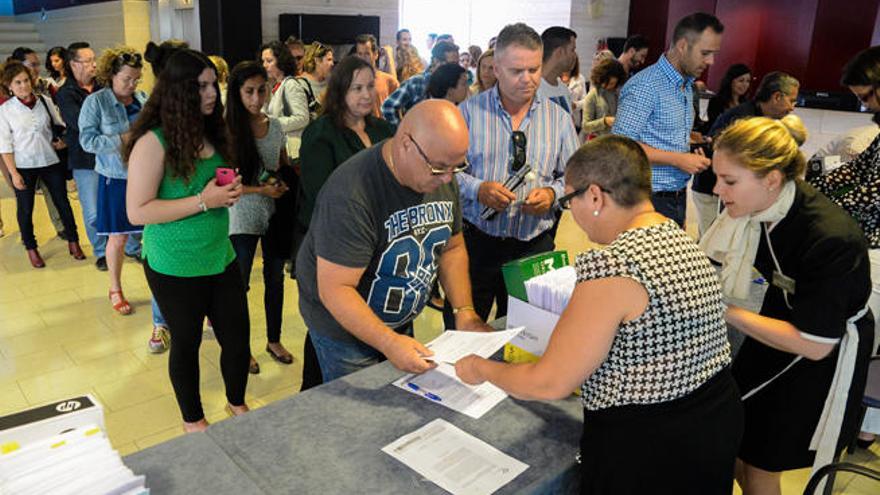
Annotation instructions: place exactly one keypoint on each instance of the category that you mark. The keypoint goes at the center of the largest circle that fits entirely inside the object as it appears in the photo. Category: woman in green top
(175, 148)
(346, 127)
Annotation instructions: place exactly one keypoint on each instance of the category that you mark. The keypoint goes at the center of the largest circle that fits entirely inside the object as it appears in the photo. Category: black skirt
(685, 446)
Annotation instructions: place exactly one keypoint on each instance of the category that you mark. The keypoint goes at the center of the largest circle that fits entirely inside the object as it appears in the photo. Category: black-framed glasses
(565, 201)
(518, 140)
(438, 170)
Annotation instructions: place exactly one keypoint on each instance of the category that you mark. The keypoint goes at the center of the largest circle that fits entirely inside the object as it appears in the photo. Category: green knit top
(197, 245)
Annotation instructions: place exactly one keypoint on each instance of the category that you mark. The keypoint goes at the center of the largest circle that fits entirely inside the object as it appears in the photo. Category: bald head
(432, 135)
(439, 124)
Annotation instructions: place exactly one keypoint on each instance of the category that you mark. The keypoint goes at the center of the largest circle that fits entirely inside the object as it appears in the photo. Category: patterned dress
(855, 187)
(665, 388)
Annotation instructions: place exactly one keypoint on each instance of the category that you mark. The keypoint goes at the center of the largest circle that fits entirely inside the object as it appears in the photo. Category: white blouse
(26, 132)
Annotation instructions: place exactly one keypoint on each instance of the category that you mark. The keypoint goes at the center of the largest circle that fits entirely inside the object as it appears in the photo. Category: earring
(595, 213)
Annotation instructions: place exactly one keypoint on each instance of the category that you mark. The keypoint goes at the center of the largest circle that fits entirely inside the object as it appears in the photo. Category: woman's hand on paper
(467, 370)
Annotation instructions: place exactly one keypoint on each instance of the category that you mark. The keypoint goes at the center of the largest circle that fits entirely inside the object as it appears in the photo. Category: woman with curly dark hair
(177, 148)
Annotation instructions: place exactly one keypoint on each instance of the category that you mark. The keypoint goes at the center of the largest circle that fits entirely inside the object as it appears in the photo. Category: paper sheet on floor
(456, 461)
(442, 386)
(453, 345)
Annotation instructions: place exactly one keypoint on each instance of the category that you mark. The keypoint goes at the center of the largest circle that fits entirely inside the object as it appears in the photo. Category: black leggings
(53, 177)
(185, 302)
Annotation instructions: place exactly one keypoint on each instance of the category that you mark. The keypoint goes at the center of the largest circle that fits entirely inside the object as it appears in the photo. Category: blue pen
(426, 394)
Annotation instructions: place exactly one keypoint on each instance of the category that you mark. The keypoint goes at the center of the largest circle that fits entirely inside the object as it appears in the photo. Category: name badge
(785, 283)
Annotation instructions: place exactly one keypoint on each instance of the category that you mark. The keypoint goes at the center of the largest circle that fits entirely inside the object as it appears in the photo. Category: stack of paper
(552, 290)
(442, 386)
(79, 461)
(457, 462)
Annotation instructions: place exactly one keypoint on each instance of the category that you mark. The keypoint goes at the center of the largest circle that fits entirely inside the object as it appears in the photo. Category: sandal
(122, 307)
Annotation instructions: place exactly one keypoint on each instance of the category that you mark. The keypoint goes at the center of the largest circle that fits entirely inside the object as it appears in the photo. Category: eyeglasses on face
(565, 201)
(438, 170)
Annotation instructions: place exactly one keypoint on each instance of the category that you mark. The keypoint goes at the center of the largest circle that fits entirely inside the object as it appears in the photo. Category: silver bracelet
(202, 205)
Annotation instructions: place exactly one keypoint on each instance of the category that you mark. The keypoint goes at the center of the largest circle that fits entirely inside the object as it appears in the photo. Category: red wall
(648, 18)
(809, 39)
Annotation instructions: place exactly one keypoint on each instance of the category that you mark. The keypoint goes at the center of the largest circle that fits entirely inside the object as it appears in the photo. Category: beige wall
(594, 19)
(100, 24)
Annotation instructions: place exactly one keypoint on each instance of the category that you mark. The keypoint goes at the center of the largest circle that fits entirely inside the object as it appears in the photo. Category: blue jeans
(338, 358)
(671, 204)
(87, 189)
(245, 246)
(158, 319)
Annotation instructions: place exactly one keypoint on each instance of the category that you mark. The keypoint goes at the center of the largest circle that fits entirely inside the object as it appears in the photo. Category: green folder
(518, 271)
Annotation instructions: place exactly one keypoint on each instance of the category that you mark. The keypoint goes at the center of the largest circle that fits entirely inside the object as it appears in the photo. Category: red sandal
(122, 307)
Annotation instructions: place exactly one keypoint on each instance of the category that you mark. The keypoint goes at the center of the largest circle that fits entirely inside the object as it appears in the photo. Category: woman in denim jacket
(104, 128)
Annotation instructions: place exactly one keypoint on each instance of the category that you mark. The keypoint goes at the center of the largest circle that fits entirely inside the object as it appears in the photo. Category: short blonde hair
(222, 68)
(763, 145)
(113, 59)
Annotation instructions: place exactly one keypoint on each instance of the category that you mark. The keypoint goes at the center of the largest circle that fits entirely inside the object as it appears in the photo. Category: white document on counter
(456, 461)
(453, 345)
(442, 386)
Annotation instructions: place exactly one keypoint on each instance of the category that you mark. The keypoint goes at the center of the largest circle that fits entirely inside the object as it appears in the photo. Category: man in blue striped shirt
(511, 126)
(656, 109)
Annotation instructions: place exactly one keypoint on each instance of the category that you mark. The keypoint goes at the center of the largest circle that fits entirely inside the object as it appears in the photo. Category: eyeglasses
(565, 201)
(518, 140)
(438, 170)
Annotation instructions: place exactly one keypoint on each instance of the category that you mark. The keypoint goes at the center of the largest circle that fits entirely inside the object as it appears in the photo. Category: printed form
(456, 461)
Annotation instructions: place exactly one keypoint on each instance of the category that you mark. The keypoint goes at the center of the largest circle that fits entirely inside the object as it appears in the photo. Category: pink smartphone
(225, 176)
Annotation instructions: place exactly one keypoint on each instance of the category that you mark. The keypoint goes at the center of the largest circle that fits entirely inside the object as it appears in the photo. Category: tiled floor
(59, 337)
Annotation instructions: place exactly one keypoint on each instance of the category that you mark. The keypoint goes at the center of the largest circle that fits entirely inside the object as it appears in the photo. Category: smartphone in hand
(224, 176)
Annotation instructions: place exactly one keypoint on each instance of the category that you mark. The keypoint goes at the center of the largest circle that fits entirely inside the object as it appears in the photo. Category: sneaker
(159, 340)
(101, 264)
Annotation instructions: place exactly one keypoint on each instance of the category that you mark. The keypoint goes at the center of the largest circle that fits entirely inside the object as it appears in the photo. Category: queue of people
(374, 187)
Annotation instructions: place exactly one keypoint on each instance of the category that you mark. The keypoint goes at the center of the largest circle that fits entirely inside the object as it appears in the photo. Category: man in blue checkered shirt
(413, 90)
(656, 109)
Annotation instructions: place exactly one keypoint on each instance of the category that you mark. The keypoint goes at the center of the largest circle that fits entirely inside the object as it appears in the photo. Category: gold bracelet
(455, 311)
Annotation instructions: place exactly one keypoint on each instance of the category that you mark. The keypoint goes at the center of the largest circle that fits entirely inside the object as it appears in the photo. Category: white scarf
(734, 242)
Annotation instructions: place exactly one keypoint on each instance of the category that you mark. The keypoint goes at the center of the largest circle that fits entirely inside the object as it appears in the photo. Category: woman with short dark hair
(648, 350)
(28, 148)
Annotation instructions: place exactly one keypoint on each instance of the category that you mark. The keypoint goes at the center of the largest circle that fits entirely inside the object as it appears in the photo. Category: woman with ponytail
(802, 367)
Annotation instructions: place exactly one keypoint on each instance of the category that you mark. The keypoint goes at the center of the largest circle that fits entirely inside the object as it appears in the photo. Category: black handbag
(58, 130)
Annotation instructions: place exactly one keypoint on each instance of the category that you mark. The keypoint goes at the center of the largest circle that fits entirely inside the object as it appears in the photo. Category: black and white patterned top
(680, 341)
(855, 187)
